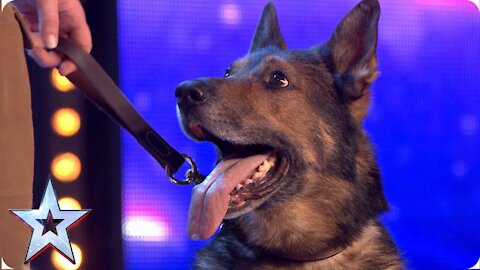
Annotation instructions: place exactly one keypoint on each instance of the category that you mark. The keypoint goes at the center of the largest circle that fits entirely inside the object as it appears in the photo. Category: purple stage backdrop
(425, 121)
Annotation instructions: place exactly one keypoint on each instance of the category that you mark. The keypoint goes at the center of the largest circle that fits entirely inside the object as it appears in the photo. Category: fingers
(43, 57)
(80, 32)
(48, 59)
(49, 22)
(66, 68)
(57, 18)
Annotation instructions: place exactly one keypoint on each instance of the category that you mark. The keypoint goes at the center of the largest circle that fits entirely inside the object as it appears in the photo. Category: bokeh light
(69, 203)
(66, 122)
(60, 262)
(66, 167)
(230, 14)
(144, 228)
(61, 83)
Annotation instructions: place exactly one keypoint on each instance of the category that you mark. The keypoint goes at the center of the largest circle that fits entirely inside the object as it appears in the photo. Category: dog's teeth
(264, 167)
(249, 181)
(258, 175)
(239, 186)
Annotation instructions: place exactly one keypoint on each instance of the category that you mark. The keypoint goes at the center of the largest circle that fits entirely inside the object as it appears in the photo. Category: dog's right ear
(268, 31)
(352, 55)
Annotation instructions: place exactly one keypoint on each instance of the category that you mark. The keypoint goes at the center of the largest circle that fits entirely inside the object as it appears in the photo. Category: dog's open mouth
(252, 187)
(245, 177)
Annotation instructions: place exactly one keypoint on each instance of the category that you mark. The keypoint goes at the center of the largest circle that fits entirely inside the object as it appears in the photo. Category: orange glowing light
(69, 203)
(66, 122)
(66, 167)
(60, 262)
(61, 83)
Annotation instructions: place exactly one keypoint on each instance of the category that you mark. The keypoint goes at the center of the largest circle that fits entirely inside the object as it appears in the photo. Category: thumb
(48, 19)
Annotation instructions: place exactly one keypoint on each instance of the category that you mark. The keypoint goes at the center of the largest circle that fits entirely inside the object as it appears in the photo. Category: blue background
(425, 120)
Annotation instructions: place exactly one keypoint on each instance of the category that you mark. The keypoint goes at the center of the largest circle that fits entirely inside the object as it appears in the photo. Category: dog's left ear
(268, 31)
(353, 57)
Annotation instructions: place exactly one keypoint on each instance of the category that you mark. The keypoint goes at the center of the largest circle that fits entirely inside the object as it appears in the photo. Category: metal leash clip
(192, 176)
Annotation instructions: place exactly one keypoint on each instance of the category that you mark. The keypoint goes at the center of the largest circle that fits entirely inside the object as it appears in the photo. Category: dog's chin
(261, 182)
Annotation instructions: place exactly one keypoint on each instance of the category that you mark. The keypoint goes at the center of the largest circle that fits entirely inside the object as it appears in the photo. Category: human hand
(47, 19)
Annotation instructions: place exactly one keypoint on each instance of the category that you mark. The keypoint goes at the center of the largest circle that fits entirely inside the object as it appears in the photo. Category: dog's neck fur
(372, 242)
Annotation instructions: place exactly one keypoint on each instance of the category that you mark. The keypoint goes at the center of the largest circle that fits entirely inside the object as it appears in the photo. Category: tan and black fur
(324, 216)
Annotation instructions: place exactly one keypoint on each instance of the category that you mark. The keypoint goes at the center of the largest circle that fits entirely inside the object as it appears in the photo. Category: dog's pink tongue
(210, 199)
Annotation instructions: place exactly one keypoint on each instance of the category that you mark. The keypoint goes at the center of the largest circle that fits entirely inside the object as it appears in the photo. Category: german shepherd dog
(296, 184)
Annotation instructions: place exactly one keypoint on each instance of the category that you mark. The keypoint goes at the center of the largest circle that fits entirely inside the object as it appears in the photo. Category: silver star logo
(4, 265)
(476, 3)
(4, 3)
(476, 266)
(50, 225)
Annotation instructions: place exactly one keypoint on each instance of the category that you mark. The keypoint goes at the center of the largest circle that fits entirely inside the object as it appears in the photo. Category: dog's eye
(279, 79)
(227, 72)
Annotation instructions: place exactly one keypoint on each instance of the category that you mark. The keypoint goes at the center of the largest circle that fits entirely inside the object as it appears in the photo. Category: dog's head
(288, 127)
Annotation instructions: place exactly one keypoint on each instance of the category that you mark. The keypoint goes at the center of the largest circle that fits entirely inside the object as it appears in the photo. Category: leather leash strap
(95, 83)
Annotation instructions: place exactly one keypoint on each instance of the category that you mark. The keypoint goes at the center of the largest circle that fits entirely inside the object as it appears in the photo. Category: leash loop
(192, 176)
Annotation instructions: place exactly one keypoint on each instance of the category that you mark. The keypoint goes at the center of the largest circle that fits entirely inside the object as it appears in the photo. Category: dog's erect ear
(353, 54)
(353, 44)
(268, 31)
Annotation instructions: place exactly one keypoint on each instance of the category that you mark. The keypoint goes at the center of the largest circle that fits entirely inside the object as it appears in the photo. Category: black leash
(95, 83)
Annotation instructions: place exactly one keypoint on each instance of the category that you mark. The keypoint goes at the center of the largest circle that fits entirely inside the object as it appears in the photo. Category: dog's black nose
(191, 93)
